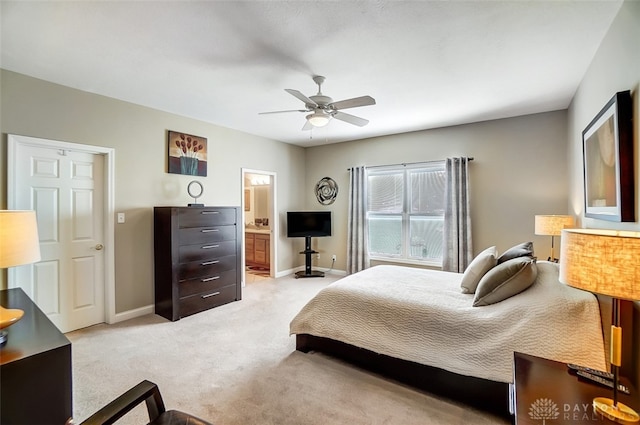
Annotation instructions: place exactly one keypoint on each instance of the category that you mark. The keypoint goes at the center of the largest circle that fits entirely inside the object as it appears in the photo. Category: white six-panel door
(66, 189)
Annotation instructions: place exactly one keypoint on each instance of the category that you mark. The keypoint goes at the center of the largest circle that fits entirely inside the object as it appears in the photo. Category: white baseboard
(130, 314)
(284, 273)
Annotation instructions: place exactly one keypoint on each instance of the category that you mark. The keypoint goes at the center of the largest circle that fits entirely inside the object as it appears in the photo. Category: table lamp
(552, 225)
(19, 245)
(605, 262)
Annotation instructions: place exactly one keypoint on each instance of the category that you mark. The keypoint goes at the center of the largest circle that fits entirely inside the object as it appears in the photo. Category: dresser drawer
(200, 302)
(201, 268)
(198, 217)
(193, 235)
(206, 251)
(206, 284)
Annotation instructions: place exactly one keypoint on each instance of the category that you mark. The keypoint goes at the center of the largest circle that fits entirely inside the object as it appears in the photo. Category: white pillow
(480, 265)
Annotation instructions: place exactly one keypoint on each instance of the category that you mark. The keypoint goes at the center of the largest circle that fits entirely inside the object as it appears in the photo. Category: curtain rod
(404, 164)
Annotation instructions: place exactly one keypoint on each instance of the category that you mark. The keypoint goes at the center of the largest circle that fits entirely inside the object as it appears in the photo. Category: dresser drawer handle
(208, 263)
(209, 295)
(209, 279)
(209, 230)
(210, 246)
(210, 212)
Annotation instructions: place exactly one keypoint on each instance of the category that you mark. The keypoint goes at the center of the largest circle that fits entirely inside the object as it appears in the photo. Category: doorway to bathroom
(260, 224)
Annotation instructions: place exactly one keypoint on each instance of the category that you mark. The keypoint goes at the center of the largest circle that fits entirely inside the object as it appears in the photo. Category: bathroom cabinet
(257, 249)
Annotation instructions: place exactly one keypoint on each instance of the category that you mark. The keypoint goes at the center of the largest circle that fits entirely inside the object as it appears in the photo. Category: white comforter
(422, 316)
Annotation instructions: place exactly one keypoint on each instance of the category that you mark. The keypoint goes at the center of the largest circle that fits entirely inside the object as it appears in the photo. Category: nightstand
(545, 391)
(35, 367)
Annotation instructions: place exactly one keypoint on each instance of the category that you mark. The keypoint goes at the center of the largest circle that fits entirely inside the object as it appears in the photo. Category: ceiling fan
(323, 108)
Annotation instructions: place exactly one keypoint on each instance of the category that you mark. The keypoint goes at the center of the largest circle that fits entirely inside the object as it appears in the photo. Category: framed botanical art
(187, 154)
(608, 162)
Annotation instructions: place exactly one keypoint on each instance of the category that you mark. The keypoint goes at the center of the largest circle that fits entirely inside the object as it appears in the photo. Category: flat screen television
(308, 224)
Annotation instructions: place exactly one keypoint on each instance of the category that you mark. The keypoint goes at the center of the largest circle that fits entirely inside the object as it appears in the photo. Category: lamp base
(621, 413)
(8, 316)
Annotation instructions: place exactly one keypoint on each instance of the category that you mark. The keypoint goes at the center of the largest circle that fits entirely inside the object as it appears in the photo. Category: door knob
(99, 247)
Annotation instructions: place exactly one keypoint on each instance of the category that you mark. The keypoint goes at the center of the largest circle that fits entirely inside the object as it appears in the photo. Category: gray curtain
(357, 252)
(458, 246)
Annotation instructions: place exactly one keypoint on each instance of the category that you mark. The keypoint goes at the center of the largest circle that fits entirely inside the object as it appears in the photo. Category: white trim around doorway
(109, 178)
(273, 249)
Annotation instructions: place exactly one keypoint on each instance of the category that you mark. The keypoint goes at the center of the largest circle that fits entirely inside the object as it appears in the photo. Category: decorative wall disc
(195, 193)
(326, 191)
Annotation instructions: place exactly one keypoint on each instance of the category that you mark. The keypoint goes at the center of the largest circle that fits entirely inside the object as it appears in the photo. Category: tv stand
(307, 261)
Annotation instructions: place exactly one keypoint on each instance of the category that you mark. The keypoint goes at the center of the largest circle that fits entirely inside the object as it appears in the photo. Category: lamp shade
(19, 242)
(552, 224)
(602, 261)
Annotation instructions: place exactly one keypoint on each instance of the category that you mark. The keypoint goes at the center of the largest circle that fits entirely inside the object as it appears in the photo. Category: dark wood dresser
(35, 367)
(197, 259)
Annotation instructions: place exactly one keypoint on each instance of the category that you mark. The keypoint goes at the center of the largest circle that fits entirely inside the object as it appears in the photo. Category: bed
(416, 325)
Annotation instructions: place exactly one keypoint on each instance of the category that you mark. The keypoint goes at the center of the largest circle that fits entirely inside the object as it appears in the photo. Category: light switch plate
(120, 217)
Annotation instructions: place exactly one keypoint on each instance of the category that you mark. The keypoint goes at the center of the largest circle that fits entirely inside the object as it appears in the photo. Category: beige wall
(519, 170)
(37, 108)
(615, 67)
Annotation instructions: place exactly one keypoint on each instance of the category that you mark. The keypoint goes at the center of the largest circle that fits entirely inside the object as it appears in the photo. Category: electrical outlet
(317, 256)
(333, 257)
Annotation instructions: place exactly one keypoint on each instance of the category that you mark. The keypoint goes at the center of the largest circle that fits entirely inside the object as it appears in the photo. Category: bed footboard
(480, 393)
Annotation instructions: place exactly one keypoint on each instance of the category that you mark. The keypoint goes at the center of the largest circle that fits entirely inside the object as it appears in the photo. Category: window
(405, 212)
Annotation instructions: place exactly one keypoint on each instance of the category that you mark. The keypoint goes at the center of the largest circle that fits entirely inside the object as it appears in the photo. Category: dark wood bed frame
(480, 393)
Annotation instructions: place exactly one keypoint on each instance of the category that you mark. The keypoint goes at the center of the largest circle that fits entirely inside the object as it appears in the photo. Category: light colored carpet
(237, 364)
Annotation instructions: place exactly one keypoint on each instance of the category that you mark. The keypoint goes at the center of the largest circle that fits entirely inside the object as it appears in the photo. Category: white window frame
(404, 257)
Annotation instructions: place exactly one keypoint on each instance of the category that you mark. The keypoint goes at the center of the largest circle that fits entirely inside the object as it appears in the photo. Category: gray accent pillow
(483, 262)
(521, 250)
(506, 280)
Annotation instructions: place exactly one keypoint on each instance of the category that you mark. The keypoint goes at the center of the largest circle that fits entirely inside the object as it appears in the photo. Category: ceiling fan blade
(351, 119)
(354, 103)
(279, 112)
(307, 126)
(302, 97)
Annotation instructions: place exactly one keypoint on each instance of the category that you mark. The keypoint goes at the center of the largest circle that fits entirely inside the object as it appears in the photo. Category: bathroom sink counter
(262, 231)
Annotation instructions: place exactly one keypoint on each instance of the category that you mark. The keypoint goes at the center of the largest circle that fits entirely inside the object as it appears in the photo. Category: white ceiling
(428, 64)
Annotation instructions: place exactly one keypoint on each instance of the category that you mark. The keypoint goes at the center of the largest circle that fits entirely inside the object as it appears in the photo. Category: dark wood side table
(557, 396)
(35, 367)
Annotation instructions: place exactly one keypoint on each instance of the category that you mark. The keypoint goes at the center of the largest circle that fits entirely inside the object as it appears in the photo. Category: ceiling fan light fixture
(318, 119)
